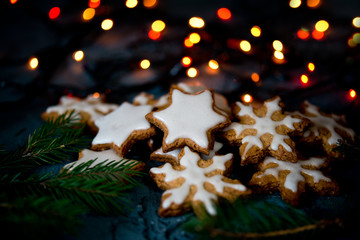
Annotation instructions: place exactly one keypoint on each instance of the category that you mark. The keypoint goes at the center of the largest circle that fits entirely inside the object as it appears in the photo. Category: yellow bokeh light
(131, 3)
(78, 55)
(192, 72)
(247, 98)
(194, 38)
(255, 31)
(295, 3)
(145, 64)
(186, 61)
(213, 64)
(88, 14)
(107, 24)
(149, 3)
(279, 55)
(158, 26)
(33, 63)
(304, 79)
(196, 22)
(356, 22)
(311, 66)
(352, 93)
(322, 26)
(245, 46)
(277, 45)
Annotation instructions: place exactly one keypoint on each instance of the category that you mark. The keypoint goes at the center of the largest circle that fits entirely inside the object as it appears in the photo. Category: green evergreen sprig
(51, 143)
(33, 202)
(255, 219)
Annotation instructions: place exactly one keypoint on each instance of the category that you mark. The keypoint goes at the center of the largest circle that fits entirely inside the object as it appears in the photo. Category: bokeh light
(196, 22)
(245, 46)
(33, 63)
(131, 3)
(54, 12)
(255, 31)
(255, 77)
(149, 3)
(322, 26)
(356, 22)
(304, 79)
(154, 35)
(213, 64)
(94, 3)
(158, 26)
(145, 64)
(186, 61)
(194, 38)
(352, 93)
(311, 66)
(107, 24)
(78, 55)
(247, 98)
(224, 13)
(277, 45)
(317, 35)
(294, 3)
(279, 55)
(313, 3)
(303, 34)
(88, 14)
(192, 72)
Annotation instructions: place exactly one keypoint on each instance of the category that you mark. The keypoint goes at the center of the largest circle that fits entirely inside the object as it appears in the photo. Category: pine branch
(101, 188)
(349, 150)
(52, 143)
(38, 218)
(254, 219)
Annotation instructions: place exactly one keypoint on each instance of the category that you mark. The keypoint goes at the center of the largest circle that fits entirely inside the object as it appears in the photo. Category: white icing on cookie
(143, 98)
(196, 176)
(103, 157)
(294, 177)
(174, 153)
(91, 105)
(321, 121)
(190, 116)
(263, 125)
(117, 126)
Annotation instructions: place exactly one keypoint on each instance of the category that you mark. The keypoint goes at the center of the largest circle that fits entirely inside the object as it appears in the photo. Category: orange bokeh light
(255, 77)
(13, 1)
(303, 34)
(94, 3)
(154, 35)
(247, 98)
(188, 43)
(317, 35)
(224, 13)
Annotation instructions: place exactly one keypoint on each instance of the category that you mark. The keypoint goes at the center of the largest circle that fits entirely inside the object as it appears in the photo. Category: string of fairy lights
(156, 31)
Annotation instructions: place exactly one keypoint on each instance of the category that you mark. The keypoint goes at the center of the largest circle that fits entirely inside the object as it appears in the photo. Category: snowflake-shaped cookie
(189, 120)
(327, 129)
(195, 181)
(121, 128)
(264, 130)
(292, 179)
(102, 157)
(89, 109)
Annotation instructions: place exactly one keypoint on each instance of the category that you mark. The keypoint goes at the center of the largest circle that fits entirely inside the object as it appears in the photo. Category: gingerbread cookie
(325, 129)
(264, 130)
(293, 179)
(189, 120)
(122, 128)
(172, 156)
(89, 109)
(103, 157)
(195, 181)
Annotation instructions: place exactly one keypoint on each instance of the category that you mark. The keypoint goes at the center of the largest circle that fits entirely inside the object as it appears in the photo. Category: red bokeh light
(54, 12)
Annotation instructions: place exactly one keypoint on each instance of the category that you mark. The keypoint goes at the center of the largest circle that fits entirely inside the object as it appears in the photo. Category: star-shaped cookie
(122, 128)
(293, 179)
(189, 120)
(265, 130)
(195, 181)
